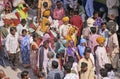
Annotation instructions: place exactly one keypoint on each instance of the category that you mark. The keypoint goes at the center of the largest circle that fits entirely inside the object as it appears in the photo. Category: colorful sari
(25, 49)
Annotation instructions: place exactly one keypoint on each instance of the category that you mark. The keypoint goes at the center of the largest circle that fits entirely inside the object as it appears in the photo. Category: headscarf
(45, 37)
(65, 19)
(100, 40)
(82, 48)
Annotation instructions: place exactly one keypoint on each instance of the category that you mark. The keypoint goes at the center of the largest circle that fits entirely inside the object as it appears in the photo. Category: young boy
(103, 73)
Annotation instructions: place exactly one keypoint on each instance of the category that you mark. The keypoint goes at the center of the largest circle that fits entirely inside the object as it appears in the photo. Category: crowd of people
(60, 39)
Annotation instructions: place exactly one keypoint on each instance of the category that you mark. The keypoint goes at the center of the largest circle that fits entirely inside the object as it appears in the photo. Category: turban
(100, 40)
(46, 13)
(65, 19)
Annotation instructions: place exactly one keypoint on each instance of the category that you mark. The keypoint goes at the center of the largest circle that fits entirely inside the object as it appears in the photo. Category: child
(110, 72)
(103, 73)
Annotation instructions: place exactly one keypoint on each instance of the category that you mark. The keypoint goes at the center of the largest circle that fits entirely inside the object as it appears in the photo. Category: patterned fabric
(25, 49)
(98, 22)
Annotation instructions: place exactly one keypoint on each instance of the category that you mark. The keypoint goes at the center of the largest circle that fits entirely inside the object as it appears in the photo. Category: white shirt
(71, 76)
(106, 78)
(12, 43)
(111, 75)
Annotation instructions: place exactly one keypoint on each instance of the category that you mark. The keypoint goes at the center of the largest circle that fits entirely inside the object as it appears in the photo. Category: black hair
(76, 12)
(45, 4)
(58, 55)
(34, 35)
(68, 67)
(45, 42)
(93, 30)
(70, 59)
(83, 65)
(24, 74)
(109, 67)
(95, 12)
(23, 21)
(41, 75)
(24, 30)
(103, 72)
(12, 29)
(104, 23)
(88, 49)
(58, 2)
(54, 64)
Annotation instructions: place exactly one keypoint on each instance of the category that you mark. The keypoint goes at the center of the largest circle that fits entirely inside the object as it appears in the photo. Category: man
(92, 39)
(41, 8)
(64, 28)
(76, 20)
(12, 47)
(68, 73)
(59, 12)
(86, 73)
(113, 49)
(101, 56)
(55, 72)
(112, 6)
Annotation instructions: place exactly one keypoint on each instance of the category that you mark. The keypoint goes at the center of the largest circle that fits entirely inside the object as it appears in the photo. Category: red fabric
(76, 20)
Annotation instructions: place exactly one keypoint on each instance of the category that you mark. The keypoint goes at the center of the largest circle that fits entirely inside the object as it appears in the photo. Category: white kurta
(101, 59)
(110, 5)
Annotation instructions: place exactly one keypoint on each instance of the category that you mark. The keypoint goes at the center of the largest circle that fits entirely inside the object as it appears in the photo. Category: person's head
(103, 72)
(109, 67)
(93, 30)
(24, 32)
(100, 41)
(83, 42)
(65, 20)
(41, 75)
(23, 22)
(104, 26)
(87, 55)
(46, 13)
(13, 30)
(88, 49)
(46, 44)
(58, 4)
(54, 64)
(24, 75)
(50, 55)
(70, 59)
(35, 36)
(45, 4)
(2, 74)
(84, 67)
(95, 15)
(67, 67)
(76, 12)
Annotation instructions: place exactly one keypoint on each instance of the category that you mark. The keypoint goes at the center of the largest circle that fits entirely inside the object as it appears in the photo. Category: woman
(25, 48)
(82, 46)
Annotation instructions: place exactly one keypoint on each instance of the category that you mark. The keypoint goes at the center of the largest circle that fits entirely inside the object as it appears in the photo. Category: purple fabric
(98, 22)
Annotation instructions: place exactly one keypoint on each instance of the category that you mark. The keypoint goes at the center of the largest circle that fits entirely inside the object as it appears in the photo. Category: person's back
(55, 73)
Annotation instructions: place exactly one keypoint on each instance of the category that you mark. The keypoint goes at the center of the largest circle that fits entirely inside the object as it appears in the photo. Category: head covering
(82, 48)
(100, 40)
(90, 22)
(46, 13)
(65, 19)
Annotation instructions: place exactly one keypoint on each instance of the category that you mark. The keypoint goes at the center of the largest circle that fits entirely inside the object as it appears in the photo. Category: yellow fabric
(46, 13)
(100, 40)
(23, 15)
(44, 28)
(65, 19)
